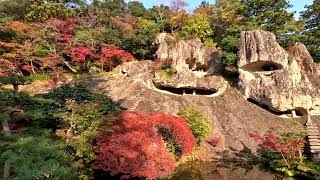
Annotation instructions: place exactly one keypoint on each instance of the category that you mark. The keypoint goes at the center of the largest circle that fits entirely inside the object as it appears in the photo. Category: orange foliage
(8, 45)
(23, 28)
(11, 55)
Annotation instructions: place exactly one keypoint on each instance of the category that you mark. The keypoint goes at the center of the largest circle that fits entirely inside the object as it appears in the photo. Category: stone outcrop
(274, 77)
(194, 64)
(232, 117)
(188, 55)
(300, 53)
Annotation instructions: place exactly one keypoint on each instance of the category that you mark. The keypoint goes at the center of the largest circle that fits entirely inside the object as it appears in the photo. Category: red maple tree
(288, 148)
(111, 56)
(136, 149)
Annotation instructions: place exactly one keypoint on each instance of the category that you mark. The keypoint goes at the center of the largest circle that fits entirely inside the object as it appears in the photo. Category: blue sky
(298, 5)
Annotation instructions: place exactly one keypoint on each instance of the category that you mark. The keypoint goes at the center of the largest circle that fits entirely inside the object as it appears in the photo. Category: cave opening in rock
(267, 108)
(263, 66)
(187, 91)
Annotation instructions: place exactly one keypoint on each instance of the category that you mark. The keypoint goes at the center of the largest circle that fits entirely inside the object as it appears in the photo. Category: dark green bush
(35, 155)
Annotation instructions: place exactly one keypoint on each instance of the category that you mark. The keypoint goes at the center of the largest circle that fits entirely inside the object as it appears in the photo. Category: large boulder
(188, 55)
(274, 77)
(194, 64)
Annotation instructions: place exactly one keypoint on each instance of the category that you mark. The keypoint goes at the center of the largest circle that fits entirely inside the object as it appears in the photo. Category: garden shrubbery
(198, 123)
(135, 148)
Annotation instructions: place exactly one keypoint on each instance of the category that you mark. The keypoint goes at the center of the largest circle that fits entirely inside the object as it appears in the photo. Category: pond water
(229, 172)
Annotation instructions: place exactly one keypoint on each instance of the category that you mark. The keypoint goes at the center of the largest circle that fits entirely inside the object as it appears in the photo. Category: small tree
(137, 145)
(289, 148)
(15, 81)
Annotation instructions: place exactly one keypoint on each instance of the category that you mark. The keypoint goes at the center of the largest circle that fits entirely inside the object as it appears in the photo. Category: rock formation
(232, 117)
(194, 64)
(274, 77)
(188, 55)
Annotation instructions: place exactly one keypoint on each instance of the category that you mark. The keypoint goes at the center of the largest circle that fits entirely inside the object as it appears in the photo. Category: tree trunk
(16, 88)
(6, 171)
(5, 128)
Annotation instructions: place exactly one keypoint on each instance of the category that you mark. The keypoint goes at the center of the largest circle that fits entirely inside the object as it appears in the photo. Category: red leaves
(80, 53)
(65, 27)
(135, 149)
(3, 74)
(290, 148)
(26, 67)
(112, 56)
(216, 141)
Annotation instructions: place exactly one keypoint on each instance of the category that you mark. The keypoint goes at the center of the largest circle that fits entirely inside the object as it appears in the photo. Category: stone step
(315, 147)
(312, 127)
(314, 143)
(314, 140)
(313, 137)
(315, 151)
(312, 133)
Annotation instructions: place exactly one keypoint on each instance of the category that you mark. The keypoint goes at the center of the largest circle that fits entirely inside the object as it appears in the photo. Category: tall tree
(178, 5)
(272, 15)
(311, 34)
(114, 7)
(136, 8)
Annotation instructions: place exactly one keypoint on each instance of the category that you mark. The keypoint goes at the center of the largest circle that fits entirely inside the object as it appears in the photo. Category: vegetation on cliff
(73, 133)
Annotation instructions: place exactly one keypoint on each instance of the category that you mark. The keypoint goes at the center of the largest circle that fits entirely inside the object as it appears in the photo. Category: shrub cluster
(136, 149)
(198, 123)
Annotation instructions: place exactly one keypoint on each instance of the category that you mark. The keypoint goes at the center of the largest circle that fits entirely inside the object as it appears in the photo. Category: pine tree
(311, 34)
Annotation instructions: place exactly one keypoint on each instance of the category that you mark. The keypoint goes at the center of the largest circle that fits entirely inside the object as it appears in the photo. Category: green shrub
(199, 124)
(8, 35)
(39, 77)
(78, 92)
(83, 37)
(41, 10)
(15, 81)
(42, 49)
(167, 71)
(83, 122)
(35, 155)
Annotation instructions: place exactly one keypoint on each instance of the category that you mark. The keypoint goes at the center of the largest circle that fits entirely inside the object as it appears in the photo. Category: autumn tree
(178, 5)
(204, 7)
(198, 26)
(178, 21)
(311, 34)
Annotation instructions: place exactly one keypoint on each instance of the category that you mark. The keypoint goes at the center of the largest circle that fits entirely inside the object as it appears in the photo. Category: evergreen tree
(272, 15)
(311, 34)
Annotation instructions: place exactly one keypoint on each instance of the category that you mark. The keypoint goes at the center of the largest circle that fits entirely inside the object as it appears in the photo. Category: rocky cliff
(274, 77)
(232, 117)
(195, 65)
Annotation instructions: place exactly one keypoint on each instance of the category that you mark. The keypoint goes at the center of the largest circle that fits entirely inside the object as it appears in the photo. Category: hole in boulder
(201, 67)
(267, 108)
(186, 91)
(191, 62)
(262, 66)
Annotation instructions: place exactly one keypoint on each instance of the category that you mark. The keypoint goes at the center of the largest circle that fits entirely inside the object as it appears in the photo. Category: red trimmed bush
(111, 56)
(134, 148)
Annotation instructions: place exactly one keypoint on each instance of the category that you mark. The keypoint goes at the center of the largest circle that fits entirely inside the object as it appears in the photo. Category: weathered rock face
(194, 65)
(300, 53)
(188, 56)
(271, 76)
(232, 117)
